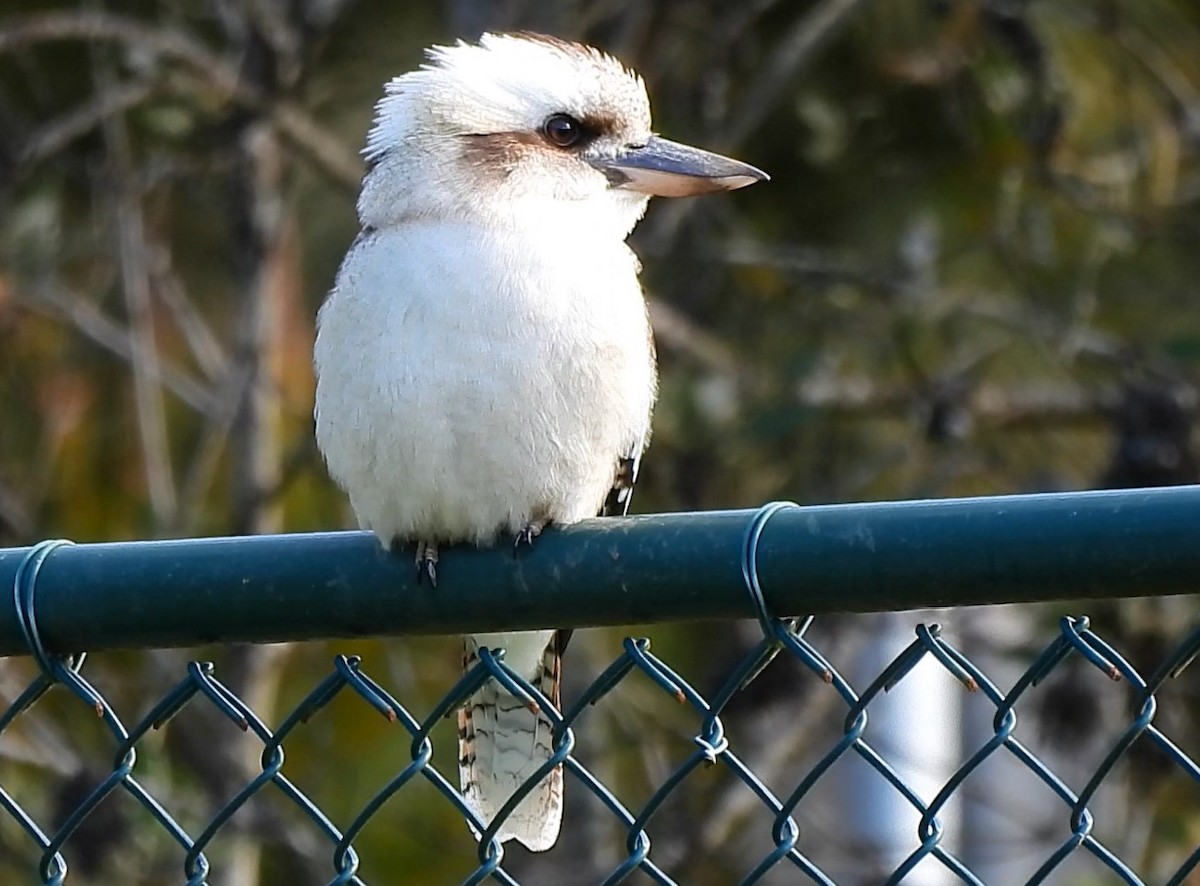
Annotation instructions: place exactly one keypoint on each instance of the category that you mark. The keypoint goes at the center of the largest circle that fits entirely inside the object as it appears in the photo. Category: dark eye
(563, 131)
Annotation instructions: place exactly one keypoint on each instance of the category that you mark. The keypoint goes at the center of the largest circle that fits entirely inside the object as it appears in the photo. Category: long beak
(668, 169)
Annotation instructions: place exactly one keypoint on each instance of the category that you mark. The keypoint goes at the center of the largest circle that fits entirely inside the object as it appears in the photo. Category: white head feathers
(464, 135)
(530, 128)
(506, 83)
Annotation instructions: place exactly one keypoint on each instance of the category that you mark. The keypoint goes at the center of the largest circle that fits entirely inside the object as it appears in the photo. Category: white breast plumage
(489, 380)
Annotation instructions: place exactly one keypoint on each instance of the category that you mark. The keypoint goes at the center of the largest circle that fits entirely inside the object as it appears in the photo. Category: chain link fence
(200, 686)
(793, 852)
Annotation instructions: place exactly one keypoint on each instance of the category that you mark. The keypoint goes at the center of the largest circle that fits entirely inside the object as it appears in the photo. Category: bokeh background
(975, 271)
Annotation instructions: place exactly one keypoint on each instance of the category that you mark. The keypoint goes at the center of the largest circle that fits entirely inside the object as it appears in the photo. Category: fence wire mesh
(789, 852)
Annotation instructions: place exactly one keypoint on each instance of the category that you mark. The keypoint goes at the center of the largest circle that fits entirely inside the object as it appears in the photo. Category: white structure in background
(916, 728)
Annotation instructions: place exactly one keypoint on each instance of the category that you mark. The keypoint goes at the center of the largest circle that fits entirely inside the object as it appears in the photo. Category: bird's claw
(525, 536)
(426, 560)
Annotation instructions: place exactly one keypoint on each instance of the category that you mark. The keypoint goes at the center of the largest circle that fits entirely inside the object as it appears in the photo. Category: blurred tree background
(974, 271)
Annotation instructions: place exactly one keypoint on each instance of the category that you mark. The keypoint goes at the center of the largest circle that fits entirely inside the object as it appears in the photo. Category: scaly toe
(526, 535)
(426, 561)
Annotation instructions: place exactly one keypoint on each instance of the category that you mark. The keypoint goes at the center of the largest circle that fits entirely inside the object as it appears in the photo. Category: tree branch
(797, 48)
(51, 138)
(93, 324)
(207, 72)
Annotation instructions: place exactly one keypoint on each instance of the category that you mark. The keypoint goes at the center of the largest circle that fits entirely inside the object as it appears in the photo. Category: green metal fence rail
(771, 564)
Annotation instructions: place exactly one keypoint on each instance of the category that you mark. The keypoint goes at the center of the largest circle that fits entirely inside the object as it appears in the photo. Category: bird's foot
(531, 531)
(426, 560)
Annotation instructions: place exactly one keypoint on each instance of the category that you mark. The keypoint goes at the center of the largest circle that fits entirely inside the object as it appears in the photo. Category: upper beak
(668, 169)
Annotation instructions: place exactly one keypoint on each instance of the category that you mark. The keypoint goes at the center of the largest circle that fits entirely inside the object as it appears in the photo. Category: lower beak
(668, 169)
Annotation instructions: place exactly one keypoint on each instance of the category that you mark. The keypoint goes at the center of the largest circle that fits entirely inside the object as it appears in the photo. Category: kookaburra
(484, 361)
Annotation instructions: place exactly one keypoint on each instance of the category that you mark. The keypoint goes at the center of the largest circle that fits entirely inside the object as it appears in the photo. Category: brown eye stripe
(508, 146)
(499, 147)
(599, 123)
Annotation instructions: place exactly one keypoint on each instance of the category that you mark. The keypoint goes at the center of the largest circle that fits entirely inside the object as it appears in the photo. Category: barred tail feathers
(502, 743)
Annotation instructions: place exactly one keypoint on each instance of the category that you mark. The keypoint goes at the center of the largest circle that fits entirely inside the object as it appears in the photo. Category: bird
(484, 359)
